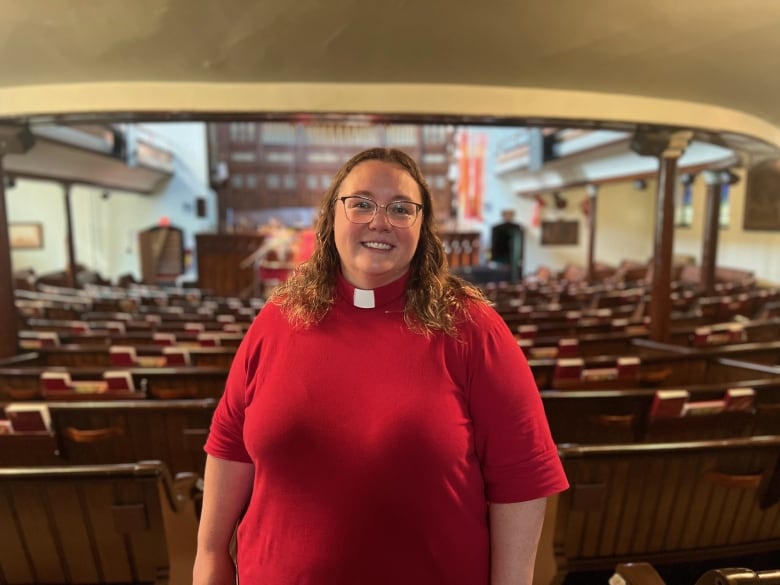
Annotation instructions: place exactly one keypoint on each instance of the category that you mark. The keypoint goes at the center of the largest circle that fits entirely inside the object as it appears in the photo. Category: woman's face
(376, 253)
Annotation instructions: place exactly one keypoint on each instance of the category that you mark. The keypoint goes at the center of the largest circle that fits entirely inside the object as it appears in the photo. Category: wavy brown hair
(435, 299)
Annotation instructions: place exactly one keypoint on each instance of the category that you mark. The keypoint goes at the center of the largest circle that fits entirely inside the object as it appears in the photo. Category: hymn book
(739, 399)
(669, 403)
(28, 417)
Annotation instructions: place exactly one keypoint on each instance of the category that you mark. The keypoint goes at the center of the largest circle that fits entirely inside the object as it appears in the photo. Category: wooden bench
(645, 574)
(31, 339)
(662, 503)
(172, 431)
(161, 383)
(663, 365)
(623, 416)
(129, 326)
(102, 356)
(99, 524)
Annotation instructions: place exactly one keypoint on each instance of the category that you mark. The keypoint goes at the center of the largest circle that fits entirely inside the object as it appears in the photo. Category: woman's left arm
(514, 537)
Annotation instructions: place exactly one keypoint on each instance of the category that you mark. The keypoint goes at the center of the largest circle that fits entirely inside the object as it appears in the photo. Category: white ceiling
(716, 62)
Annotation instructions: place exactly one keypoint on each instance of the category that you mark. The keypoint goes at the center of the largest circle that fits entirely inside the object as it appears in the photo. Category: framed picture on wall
(25, 235)
(560, 233)
(762, 204)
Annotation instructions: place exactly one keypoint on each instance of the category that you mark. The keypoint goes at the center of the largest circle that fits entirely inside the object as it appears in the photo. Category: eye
(361, 204)
(401, 209)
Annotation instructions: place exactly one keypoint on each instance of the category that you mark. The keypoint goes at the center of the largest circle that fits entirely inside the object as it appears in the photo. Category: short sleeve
(226, 436)
(512, 437)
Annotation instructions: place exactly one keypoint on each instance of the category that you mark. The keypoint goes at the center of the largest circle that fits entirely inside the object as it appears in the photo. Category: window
(725, 206)
(683, 207)
(242, 132)
(290, 182)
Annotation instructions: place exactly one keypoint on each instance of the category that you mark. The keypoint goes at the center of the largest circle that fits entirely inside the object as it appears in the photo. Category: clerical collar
(363, 299)
(373, 298)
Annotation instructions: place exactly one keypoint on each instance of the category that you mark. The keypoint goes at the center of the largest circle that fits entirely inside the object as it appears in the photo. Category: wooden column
(709, 252)
(593, 198)
(70, 269)
(660, 292)
(10, 329)
(13, 140)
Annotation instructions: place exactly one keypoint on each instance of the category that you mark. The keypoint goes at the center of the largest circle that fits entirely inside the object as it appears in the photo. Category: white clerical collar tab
(364, 299)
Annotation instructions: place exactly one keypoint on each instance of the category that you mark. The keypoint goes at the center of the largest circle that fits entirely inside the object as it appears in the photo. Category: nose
(379, 221)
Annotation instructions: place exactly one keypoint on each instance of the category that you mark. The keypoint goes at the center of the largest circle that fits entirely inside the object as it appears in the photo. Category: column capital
(677, 143)
(15, 140)
(660, 142)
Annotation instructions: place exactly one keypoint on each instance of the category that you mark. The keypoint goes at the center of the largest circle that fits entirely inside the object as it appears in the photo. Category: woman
(379, 423)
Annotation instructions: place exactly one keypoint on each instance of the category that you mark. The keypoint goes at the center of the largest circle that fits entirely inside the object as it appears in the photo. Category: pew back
(666, 502)
(172, 431)
(94, 524)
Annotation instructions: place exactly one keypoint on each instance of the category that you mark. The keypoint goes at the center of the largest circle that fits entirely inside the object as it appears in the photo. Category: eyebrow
(396, 197)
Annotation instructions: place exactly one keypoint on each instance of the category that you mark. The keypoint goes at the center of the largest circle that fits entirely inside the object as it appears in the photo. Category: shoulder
(268, 319)
(483, 312)
(480, 320)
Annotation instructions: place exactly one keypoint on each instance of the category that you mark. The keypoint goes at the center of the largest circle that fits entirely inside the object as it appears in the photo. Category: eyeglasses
(400, 214)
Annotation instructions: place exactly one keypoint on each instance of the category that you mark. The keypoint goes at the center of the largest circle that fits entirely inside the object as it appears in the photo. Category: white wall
(625, 223)
(106, 228)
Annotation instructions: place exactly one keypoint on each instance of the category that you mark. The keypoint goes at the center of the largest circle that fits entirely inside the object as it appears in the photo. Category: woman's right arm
(227, 487)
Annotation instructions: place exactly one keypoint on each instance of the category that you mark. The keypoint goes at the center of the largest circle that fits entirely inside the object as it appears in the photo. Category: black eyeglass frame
(418, 207)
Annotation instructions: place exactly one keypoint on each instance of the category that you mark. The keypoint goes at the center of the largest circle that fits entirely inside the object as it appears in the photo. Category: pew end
(128, 523)
(641, 573)
(636, 574)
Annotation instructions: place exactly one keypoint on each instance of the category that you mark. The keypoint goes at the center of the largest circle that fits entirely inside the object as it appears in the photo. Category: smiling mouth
(377, 245)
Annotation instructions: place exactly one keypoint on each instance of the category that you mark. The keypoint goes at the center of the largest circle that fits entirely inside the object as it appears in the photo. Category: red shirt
(376, 449)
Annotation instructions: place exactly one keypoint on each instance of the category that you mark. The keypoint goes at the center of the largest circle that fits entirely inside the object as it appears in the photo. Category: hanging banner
(471, 169)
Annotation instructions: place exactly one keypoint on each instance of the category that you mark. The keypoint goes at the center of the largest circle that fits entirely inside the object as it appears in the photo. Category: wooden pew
(620, 339)
(766, 352)
(125, 326)
(623, 416)
(77, 355)
(100, 524)
(662, 365)
(107, 337)
(645, 574)
(160, 383)
(172, 431)
(663, 503)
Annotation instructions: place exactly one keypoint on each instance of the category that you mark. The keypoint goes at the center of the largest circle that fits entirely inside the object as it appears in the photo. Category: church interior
(608, 178)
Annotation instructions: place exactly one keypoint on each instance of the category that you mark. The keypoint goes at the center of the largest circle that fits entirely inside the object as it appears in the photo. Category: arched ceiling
(706, 65)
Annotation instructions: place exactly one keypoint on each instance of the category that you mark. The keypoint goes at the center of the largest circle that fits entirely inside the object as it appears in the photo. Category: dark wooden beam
(70, 269)
(19, 141)
(592, 202)
(709, 253)
(9, 331)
